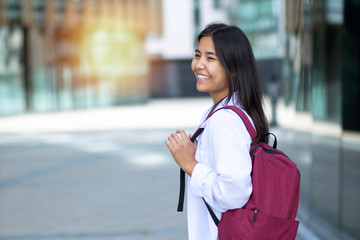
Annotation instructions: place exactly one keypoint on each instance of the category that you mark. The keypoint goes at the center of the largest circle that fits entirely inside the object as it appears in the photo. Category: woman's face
(210, 74)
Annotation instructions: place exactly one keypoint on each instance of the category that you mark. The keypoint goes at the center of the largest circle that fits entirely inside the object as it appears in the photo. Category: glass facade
(260, 21)
(321, 82)
(62, 55)
(12, 100)
(320, 92)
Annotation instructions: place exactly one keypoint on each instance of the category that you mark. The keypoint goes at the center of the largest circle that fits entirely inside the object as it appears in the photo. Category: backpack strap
(182, 175)
(250, 128)
(252, 133)
(212, 214)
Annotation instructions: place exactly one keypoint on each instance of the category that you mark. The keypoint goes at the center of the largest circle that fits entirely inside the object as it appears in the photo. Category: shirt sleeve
(225, 183)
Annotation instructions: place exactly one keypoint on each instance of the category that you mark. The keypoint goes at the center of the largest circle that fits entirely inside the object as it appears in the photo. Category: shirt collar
(232, 102)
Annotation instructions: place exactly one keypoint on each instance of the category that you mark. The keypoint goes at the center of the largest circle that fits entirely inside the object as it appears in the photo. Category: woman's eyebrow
(208, 53)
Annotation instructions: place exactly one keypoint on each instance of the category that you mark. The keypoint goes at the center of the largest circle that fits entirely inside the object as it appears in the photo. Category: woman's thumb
(195, 143)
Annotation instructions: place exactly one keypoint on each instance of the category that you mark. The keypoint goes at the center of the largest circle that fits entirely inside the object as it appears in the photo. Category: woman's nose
(200, 64)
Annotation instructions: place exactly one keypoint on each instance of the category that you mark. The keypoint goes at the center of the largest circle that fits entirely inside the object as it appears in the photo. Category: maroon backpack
(271, 210)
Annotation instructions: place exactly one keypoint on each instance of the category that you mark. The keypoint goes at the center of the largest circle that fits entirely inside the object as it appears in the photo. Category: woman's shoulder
(225, 118)
(225, 123)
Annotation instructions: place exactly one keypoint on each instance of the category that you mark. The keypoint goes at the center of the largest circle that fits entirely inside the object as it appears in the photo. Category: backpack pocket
(250, 225)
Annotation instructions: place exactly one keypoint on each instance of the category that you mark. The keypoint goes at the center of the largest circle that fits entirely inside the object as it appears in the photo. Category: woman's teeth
(202, 77)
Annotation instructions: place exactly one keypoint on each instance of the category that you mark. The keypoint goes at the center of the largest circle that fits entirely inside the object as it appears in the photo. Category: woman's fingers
(171, 141)
(182, 134)
(195, 143)
(177, 139)
(182, 150)
(168, 143)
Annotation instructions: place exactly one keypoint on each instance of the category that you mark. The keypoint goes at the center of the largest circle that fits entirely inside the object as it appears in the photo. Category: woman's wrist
(189, 167)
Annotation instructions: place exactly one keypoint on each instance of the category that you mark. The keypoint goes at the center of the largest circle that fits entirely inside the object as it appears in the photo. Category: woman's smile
(202, 78)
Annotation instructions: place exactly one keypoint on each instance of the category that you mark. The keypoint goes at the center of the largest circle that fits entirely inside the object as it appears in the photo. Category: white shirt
(222, 175)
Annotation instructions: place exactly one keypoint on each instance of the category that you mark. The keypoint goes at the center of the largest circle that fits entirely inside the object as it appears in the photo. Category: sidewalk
(59, 156)
(163, 113)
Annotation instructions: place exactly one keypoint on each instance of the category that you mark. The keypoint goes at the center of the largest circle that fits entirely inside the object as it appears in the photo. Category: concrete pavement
(89, 185)
(95, 174)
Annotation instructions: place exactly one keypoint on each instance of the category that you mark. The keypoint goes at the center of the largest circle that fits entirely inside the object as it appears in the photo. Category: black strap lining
(212, 214)
(182, 191)
(182, 175)
(266, 150)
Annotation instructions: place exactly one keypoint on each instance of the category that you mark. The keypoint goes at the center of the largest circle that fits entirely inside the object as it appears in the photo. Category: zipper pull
(255, 215)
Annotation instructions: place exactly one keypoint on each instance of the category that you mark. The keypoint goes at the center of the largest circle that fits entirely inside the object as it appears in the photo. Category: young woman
(219, 163)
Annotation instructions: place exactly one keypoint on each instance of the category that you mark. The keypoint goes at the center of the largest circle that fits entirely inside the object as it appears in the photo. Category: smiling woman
(218, 163)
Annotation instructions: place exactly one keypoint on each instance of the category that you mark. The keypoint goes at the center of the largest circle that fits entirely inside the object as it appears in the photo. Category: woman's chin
(201, 88)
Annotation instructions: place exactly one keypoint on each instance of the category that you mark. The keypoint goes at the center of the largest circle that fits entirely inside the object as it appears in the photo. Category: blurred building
(321, 91)
(66, 54)
(172, 51)
(263, 22)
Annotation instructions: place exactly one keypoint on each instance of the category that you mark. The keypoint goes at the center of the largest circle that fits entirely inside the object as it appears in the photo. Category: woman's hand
(182, 150)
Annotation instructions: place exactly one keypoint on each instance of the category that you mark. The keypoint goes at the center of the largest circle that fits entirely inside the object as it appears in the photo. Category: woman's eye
(210, 58)
(197, 55)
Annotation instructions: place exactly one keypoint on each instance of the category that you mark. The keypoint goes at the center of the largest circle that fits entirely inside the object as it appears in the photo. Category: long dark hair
(235, 54)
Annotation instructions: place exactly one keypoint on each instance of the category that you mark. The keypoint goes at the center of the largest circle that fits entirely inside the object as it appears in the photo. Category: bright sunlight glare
(112, 52)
